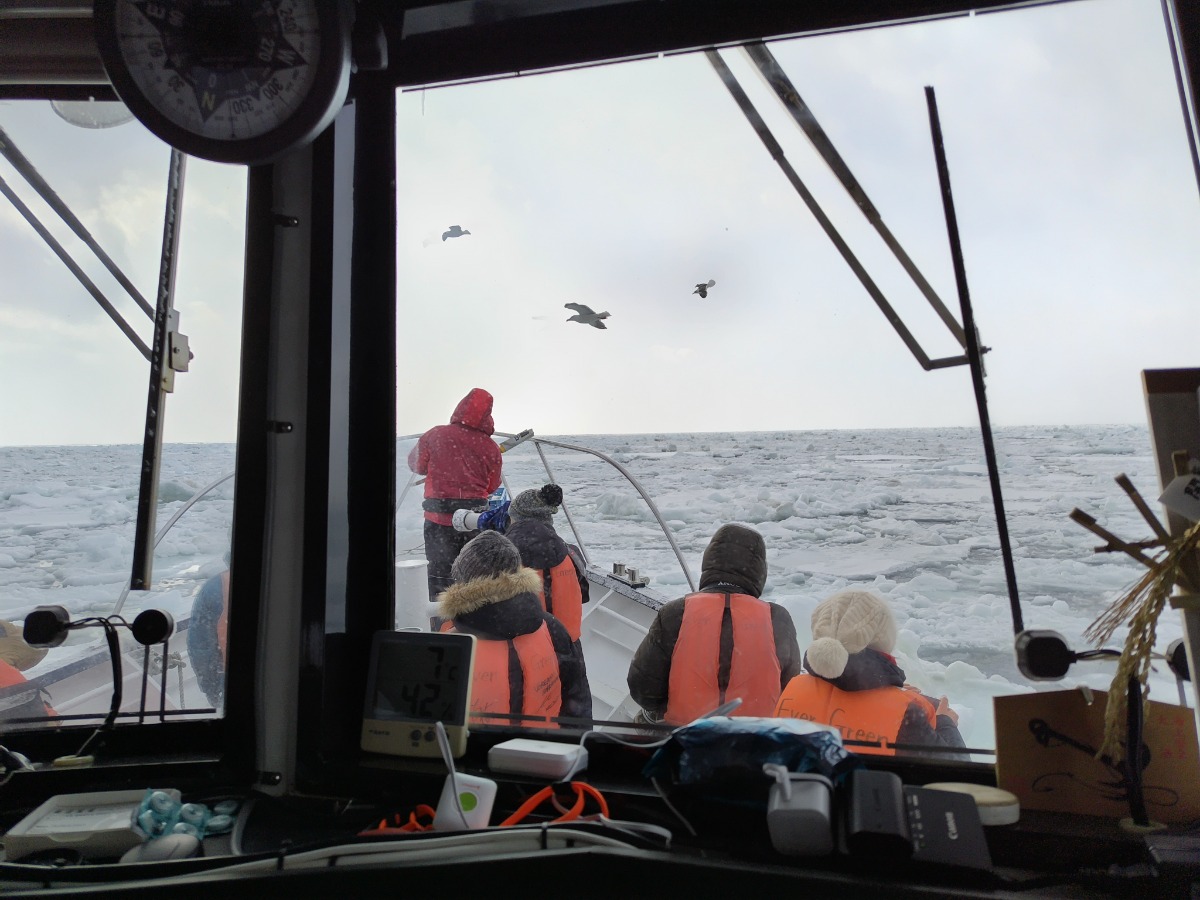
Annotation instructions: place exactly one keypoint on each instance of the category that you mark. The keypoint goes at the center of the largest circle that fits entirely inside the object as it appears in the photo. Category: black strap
(451, 504)
(725, 663)
(516, 681)
(547, 588)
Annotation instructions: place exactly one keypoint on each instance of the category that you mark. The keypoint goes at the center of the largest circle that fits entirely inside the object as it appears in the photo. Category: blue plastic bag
(723, 749)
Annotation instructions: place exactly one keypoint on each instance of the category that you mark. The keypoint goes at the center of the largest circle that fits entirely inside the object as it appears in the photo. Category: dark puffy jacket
(460, 461)
(503, 607)
(869, 669)
(204, 646)
(650, 671)
(735, 561)
(542, 550)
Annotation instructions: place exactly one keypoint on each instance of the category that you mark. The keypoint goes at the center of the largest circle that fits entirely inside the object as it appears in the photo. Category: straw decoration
(1140, 607)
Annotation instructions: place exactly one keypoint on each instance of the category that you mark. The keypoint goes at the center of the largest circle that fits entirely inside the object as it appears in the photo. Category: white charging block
(475, 795)
(799, 816)
(548, 759)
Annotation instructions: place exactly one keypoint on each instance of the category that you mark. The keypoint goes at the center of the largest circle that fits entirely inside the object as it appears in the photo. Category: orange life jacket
(491, 691)
(754, 671)
(566, 599)
(873, 715)
(223, 619)
(11, 676)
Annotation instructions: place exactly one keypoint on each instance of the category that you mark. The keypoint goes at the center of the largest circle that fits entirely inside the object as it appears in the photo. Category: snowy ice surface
(906, 512)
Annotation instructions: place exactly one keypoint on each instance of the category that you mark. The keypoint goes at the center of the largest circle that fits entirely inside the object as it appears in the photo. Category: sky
(622, 186)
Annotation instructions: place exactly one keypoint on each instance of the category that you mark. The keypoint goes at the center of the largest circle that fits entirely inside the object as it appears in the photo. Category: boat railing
(188, 504)
(538, 444)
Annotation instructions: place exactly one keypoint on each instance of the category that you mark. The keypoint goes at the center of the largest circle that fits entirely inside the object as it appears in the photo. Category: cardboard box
(1046, 754)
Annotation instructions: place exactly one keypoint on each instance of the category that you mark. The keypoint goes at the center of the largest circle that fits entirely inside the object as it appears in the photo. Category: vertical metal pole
(566, 511)
(143, 541)
(976, 361)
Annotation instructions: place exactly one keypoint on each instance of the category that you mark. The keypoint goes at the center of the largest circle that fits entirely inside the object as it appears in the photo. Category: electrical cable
(162, 682)
(680, 816)
(448, 757)
(114, 652)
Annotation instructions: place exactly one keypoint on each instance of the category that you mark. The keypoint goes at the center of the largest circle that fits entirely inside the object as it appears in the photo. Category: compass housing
(233, 81)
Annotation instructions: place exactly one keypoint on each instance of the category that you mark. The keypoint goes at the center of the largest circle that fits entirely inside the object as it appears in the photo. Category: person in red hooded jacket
(461, 465)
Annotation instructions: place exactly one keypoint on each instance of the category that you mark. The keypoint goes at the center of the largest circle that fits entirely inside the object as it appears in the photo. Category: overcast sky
(622, 186)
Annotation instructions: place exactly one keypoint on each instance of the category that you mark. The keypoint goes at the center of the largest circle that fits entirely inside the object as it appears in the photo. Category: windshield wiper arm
(777, 79)
(776, 150)
(27, 171)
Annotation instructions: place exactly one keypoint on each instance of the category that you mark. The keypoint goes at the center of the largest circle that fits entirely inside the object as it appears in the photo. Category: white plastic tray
(97, 824)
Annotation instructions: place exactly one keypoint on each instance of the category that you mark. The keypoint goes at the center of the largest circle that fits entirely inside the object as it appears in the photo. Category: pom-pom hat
(848, 622)
(536, 503)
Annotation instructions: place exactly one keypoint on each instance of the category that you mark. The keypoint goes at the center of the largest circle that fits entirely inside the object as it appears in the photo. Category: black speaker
(46, 626)
(1177, 659)
(1043, 655)
(152, 626)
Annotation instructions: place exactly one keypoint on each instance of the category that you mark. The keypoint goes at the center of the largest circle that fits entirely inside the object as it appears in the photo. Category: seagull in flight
(454, 231)
(702, 289)
(585, 315)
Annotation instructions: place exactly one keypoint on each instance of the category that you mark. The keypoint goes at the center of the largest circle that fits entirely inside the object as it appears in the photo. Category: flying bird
(454, 231)
(702, 289)
(585, 315)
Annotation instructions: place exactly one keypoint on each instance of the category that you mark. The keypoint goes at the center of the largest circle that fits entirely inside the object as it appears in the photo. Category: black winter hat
(736, 555)
(537, 503)
(486, 555)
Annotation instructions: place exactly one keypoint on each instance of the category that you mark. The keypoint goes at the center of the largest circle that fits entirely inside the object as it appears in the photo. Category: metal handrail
(637, 486)
(629, 476)
(162, 531)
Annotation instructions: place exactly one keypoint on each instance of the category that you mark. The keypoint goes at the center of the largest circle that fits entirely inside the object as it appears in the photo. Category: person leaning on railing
(461, 464)
(564, 584)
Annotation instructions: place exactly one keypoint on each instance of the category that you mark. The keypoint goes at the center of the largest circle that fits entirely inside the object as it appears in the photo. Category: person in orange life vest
(720, 643)
(17, 701)
(531, 528)
(206, 636)
(461, 465)
(525, 662)
(854, 683)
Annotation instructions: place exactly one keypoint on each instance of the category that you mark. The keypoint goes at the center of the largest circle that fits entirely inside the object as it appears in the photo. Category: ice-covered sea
(906, 512)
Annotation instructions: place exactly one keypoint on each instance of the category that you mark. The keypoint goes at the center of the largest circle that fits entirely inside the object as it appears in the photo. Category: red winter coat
(460, 461)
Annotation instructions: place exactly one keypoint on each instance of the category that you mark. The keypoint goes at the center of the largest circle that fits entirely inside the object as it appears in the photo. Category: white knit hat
(848, 622)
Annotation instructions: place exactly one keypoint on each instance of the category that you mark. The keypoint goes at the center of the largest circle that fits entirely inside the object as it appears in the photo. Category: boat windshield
(81, 250)
(641, 258)
(662, 268)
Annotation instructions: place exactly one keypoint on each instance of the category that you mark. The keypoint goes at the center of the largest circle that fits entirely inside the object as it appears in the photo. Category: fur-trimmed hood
(470, 596)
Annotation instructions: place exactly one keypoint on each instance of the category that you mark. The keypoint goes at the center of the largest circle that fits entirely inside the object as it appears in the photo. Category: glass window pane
(73, 408)
(727, 356)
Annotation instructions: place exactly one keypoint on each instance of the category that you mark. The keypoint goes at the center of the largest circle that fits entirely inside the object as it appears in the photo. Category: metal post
(976, 360)
(143, 542)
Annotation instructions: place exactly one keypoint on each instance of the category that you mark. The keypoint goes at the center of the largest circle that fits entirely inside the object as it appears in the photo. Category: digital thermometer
(415, 680)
